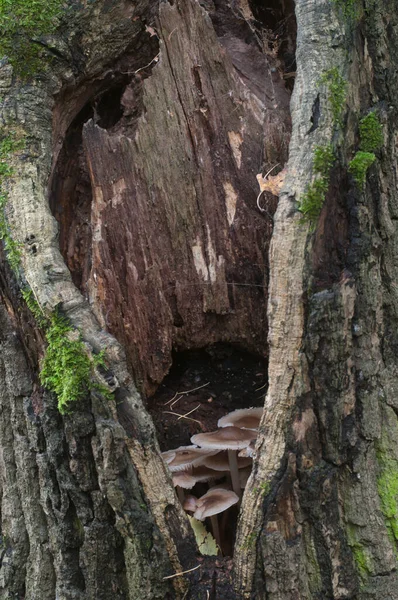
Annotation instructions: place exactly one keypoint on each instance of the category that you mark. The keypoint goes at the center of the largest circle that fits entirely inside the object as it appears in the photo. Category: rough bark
(144, 141)
(316, 502)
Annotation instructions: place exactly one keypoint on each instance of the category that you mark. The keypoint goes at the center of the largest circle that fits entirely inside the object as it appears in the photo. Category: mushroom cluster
(222, 459)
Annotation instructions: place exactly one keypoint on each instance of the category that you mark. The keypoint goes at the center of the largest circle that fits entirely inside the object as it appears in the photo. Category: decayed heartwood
(143, 141)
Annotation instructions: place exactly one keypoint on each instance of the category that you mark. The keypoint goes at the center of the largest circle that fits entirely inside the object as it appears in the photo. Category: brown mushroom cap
(190, 503)
(226, 438)
(186, 457)
(205, 473)
(184, 480)
(220, 461)
(244, 418)
(215, 501)
(168, 456)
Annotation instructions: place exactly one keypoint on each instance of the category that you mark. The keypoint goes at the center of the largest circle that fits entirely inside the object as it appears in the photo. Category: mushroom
(219, 461)
(183, 480)
(244, 418)
(185, 457)
(231, 439)
(190, 503)
(248, 451)
(168, 456)
(211, 504)
(205, 473)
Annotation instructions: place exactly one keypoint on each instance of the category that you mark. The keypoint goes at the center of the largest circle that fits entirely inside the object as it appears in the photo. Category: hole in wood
(202, 387)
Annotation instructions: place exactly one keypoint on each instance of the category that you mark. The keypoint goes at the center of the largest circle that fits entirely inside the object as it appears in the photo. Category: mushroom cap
(190, 503)
(186, 457)
(227, 438)
(168, 456)
(220, 462)
(184, 480)
(248, 451)
(205, 473)
(215, 501)
(244, 418)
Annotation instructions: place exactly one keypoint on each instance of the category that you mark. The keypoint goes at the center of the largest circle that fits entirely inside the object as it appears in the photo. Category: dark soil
(227, 379)
(212, 580)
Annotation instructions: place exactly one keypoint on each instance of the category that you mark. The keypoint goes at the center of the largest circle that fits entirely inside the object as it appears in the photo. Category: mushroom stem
(180, 494)
(233, 465)
(216, 531)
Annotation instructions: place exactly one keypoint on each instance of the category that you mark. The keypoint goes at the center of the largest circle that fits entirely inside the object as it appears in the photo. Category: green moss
(67, 368)
(312, 200)
(22, 23)
(250, 540)
(34, 308)
(359, 553)
(9, 145)
(387, 486)
(323, 160)
(371, 133)
(336, 85)
(361, 561)
(360, 164)
(265, 488)
(349, 8)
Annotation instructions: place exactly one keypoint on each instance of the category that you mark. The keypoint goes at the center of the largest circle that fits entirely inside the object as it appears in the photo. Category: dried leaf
(272, 184)
(206, 542)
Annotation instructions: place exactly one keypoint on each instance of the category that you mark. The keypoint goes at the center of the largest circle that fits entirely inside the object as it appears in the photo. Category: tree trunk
(136, 209)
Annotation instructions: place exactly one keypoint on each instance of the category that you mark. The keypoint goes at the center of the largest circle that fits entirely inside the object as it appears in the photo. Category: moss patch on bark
(9, 145)
(67, 367)
(336, 85)
(387, 486)
(360, 164)
(22, 23)
(312, 200)
(359, 554)
(371, 133)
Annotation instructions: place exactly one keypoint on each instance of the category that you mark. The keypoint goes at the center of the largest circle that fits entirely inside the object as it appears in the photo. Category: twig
(142, 68)
(173, 398)
(175, 402)
(264, 210)
(168, 412)
(270, 171)
(188, 413)
(195, 389)
(186, 392)
(262, 387)
(181, 573)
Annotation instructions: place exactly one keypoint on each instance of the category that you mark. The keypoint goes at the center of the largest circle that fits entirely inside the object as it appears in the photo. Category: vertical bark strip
(146, 542)
(315, 520)
(174, 115)
(288, 377)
